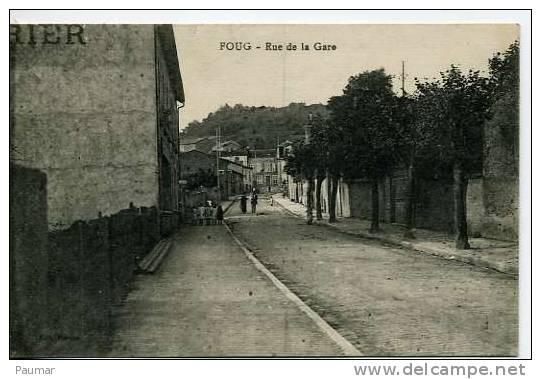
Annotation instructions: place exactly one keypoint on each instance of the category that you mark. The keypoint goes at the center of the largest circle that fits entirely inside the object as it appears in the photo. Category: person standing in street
(201, 209)
(243, 201)
(253, 202)
(219, 214)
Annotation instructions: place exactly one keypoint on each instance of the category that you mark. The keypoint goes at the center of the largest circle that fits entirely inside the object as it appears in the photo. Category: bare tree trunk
(410, 195)
(332, 201)
(319, 215)
(374, 224)
(310, 200)
(460, 186)
(329, 192)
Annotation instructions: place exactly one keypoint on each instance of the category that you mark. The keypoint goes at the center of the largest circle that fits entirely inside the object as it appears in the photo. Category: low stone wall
(169, 221)
(91, 267)
(61, 298)
(28, 258)
(492, 207)
(501, 199)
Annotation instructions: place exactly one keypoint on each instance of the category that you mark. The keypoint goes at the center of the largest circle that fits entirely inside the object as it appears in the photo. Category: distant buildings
(227, 146)
(204, 144)
(262, 169)
(207, 145)
(198, 174)
(282, 151)
(265, 165)
(247, 170)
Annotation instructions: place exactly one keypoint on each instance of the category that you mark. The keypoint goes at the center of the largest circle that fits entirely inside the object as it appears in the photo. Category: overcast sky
(213, 77)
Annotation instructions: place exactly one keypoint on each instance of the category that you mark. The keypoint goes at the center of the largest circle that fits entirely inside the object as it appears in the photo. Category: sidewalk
(227, 204)
(209, 299)
(497, 255)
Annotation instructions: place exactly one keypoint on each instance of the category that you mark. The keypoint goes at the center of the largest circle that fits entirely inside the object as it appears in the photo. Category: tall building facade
(94, 147)
(95, 108)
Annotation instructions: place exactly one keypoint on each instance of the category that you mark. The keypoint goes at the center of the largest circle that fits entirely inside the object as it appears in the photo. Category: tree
(365, 115)
(201, 178)
(457, 105)
(335, 158)
(504, 71)
(503, 127)
(415, 147)
(408, 147)
(301, 164)
(259, 127)
(319, 144)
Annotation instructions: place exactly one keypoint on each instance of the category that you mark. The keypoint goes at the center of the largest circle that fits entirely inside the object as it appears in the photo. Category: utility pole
(278, 163)
(403, 81)
(218, 161)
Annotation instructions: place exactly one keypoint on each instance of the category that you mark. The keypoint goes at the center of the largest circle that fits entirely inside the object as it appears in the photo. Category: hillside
(255, 127)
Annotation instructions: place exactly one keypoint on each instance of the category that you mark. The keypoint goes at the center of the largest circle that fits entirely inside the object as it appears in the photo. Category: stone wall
(434, 205)
(433, 202)
(88, 271)
(500, 196)
(475, 208)
(28, 259)
(360, 199)
(84, 113)
(491, 204)
(501, 170)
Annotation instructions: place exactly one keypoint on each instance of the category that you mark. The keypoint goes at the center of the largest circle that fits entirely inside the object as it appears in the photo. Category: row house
(247, 171)
(265, 170)
(200, 172)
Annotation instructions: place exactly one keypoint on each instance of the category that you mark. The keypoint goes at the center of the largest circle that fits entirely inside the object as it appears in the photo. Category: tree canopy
(363, 116)
(255, 127)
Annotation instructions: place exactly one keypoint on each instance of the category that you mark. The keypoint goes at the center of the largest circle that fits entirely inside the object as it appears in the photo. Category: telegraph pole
(278, 164)
(403, 81)
(218, 161)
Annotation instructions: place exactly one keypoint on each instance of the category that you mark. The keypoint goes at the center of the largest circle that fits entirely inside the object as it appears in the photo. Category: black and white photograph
(265, 190)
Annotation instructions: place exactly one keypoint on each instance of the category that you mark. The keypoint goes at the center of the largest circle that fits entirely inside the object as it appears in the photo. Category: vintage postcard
(264, 190)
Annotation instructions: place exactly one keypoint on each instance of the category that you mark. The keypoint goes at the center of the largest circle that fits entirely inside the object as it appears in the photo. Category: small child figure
(201, 214)
(219, 214)
(212, 215)
(195, 216)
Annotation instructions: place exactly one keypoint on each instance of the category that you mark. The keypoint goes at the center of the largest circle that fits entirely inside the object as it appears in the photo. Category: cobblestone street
(208, 299)
(385, 300)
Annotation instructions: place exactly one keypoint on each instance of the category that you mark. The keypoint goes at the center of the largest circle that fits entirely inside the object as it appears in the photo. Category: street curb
(411, 246)
(346, 346)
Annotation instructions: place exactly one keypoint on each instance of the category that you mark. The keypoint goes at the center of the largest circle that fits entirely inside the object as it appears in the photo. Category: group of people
(208, 213)
(253, 201)
(211, 213)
